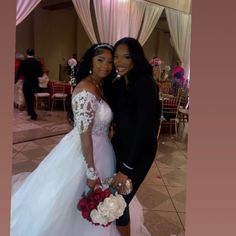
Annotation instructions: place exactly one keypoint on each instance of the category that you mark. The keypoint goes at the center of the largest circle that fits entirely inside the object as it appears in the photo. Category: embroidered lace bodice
(90, 113)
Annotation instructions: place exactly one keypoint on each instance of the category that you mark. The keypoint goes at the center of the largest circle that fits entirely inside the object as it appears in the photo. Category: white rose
(167, 68)
(72, 62)
(121, 205)
(103, 209)
(97, 217)
(109, 210)
(116, 204)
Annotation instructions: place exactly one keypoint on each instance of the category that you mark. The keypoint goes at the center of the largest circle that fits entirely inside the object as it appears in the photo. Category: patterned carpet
(49, 123)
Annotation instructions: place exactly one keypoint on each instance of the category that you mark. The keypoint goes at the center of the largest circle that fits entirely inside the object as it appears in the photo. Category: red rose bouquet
(102, 206)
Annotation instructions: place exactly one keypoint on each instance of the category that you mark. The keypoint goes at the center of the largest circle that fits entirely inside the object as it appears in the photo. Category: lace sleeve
(84, 106)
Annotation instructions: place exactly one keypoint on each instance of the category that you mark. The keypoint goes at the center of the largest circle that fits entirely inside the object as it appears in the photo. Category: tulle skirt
(44, 202)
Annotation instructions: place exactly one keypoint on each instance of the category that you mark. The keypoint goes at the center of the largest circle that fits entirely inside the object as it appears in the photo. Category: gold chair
(170, 109)
(42, 100)
(184, 112)
(58, 94)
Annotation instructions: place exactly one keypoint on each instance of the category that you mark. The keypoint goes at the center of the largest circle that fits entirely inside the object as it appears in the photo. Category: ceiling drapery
(122, 18)
(24, 8)
(184, 6)
(151, 17)
(180, 31)
(117, 19)
(82, 8)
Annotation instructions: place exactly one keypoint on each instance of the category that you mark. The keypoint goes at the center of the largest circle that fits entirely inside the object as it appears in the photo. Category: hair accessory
(103, 45)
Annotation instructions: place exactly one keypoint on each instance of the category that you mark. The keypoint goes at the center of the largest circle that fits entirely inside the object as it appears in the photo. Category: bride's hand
(93, 183)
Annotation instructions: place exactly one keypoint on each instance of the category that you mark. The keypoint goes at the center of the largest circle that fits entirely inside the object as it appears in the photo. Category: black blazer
(136, 117)
(30, 69)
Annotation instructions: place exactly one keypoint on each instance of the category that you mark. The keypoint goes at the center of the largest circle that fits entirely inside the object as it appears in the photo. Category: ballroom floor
(163, 192)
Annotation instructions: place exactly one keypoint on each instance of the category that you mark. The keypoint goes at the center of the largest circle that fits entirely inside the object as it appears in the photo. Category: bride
(44, 202)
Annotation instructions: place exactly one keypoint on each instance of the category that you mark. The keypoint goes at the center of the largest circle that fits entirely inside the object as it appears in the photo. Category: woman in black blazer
(134, 100)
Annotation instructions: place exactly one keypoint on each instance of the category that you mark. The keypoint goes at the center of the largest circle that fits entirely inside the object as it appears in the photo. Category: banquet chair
(169, 117)
(58, 94)
(184, 112)
(41, 100)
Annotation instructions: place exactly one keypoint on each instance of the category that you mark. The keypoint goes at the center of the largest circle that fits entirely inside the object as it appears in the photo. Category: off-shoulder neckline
(86, 91)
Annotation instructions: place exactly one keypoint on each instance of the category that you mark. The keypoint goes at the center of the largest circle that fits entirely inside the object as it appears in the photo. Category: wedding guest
(19, 100)
(178, 76)
(134, 102)
(156, 68)
(43, 83)
(30, 69)
(19, 58)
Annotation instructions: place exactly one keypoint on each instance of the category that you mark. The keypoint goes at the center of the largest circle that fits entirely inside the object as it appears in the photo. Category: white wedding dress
(44, 202)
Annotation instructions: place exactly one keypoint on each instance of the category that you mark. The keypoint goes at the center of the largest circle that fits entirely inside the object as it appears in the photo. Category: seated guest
(178, 77)
(19, 100)
(43, 83)
(156, 68)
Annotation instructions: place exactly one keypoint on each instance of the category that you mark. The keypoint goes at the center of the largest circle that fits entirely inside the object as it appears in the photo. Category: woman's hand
(119, 181)
(93, 183)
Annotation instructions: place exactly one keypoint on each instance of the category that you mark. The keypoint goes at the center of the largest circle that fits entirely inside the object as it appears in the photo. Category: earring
(90, 72)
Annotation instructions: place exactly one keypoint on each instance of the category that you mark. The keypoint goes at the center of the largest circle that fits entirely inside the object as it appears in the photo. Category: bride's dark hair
(84, 69)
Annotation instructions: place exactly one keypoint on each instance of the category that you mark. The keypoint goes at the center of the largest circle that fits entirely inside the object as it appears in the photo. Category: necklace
(94, 81)
(98, 85)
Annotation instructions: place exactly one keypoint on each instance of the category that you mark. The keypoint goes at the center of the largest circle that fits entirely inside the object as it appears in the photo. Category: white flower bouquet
(72, 63)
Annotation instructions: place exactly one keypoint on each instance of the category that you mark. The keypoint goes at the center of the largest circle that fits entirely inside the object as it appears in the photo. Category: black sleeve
(144, 124)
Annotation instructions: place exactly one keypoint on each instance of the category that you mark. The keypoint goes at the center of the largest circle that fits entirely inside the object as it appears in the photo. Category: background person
(178, 77)
(19, 100)
(30, 69)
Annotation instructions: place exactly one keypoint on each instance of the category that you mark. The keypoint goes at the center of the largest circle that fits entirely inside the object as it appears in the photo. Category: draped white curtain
(137, 10)
(117, 19)
(151, 17)
(180, 31)
(122, 18)
(82, 8)
(24, 8)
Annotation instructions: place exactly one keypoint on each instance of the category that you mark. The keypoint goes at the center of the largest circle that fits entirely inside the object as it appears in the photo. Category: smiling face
(102, 64)
(122, 60)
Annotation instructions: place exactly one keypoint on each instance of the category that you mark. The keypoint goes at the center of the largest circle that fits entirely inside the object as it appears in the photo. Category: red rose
(82, 205)
(107, 193)
(91, 206)
(86, 214)
(89, 197)
(98, 196)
